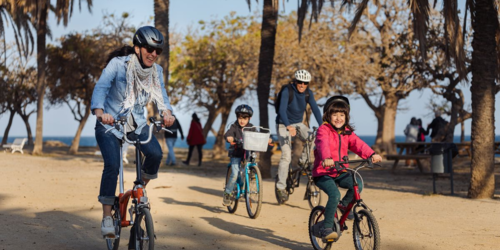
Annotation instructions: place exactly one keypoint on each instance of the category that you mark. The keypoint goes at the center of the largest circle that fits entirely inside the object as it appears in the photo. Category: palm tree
(38, 10)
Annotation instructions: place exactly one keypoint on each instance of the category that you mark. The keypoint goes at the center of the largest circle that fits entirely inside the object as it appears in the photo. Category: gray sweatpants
(286, 150)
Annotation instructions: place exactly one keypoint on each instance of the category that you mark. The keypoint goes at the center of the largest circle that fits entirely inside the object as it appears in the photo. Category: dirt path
(51, 203)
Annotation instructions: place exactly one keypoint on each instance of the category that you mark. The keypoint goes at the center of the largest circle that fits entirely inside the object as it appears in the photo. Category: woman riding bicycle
(333, 140)
(129, 82)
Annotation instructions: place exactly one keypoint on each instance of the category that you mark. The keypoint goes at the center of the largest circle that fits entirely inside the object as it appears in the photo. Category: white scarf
(143, 86)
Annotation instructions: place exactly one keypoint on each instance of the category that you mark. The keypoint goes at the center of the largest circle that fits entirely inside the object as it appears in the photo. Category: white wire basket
(256, 141)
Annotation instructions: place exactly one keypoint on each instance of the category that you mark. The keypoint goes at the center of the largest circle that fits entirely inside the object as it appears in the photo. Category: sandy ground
(50, 202)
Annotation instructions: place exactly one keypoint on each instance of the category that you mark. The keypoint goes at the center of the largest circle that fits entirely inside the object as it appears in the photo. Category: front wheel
(313, 195)
(366, 234)
(232, 208)
(113, 244)
(316, 221)
(144, 230)
(254, 192)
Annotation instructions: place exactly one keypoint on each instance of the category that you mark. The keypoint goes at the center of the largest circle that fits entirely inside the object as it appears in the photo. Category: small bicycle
(365, 231)
(312, 193)
(142, 235)
(249, 182)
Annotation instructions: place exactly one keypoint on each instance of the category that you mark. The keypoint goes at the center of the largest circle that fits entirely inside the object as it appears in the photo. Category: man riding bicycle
(129, 82)
(292, 102)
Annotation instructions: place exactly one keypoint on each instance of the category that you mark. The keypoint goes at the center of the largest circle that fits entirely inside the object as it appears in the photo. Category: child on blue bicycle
(334, 138)
(236, 152)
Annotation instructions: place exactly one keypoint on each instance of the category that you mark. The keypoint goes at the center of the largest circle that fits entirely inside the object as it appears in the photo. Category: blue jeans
(110, 150)
(329, 186)
(171, 154)
(235, 169)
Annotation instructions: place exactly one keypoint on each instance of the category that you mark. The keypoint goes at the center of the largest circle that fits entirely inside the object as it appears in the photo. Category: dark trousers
(200, 153)
(109, 145)
(329, 186)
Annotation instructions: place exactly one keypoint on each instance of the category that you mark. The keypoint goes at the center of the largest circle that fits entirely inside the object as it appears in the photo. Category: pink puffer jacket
(330, 144)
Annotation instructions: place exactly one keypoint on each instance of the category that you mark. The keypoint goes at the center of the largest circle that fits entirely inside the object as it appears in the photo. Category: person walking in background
(195, 138)
(411, 132)
(170, 139)
(437, 126)
(421, 131)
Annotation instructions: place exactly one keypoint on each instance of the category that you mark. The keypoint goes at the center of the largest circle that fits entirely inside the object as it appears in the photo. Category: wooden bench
(398, 157)
(17, 145)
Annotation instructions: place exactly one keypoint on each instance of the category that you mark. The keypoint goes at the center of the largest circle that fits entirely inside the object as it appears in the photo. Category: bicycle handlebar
(339, 165)
(123, 120)
(310, 137)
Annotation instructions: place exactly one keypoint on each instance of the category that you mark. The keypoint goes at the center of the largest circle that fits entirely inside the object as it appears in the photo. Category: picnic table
(410, 151)
(419, 150)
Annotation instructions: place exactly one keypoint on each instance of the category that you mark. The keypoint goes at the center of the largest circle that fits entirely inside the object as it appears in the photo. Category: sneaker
(226, 200)
(107, 227)
(185, 163)
(283, 194)
(328, 234)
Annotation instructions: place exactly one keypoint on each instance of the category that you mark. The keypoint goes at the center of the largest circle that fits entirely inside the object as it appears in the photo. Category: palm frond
(420, 20)
(453, 34)
(359, 12)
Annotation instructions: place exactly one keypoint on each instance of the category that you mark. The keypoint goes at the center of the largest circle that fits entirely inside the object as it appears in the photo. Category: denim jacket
(109, 93)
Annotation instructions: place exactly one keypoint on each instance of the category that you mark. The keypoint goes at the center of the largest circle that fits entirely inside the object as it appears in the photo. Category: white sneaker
(107, 227)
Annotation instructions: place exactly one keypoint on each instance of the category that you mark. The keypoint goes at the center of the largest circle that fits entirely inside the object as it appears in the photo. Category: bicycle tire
(313, 194)
(366, 233)
(144, 230)
(113, 244)
(232, 208)
(254, 192)
(313, 228)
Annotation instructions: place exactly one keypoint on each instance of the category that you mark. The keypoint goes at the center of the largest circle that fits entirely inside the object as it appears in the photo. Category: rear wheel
(113, 244)
(254, 192)
(366, 234)
(144, 230)
(313, 195)
(316, 220)
(232, 208)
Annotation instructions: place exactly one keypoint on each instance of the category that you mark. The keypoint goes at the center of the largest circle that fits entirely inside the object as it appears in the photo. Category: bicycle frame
(248, 161)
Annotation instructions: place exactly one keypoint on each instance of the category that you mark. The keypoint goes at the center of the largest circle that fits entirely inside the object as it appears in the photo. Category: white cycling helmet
(302, 75)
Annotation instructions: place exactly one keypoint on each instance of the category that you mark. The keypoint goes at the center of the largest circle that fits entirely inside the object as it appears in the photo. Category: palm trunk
(484, 73)
(266, 59)
(75, 144)
(7, 129)
(161, 9)
(40, 88)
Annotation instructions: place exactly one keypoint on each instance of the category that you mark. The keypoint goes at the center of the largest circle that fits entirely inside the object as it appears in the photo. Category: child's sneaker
(328, 234)
(107, 227)
(226, 201)
(350, 216)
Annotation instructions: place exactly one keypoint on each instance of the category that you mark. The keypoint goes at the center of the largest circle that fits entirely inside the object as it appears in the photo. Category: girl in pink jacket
(334, 138)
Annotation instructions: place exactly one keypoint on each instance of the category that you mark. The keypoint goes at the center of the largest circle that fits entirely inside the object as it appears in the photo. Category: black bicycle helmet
(244, 109)
(337, 98)
(148, 35)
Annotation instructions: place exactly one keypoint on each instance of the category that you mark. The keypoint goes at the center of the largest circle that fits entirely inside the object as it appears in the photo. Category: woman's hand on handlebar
(168, 119)
(376, 158)
(104, 117)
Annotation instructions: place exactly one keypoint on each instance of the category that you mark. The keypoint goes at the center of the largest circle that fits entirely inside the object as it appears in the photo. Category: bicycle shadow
(210, 191)
(263, 234)
(217, 209)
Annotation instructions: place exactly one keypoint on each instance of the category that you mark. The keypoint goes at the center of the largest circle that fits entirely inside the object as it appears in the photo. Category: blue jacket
(109, 92)
(294, 112)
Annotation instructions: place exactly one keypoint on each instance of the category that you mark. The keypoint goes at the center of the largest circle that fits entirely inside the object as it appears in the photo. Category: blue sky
(60, 122)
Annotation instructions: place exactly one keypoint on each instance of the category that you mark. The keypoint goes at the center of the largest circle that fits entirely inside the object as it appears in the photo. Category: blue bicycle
(249, 182)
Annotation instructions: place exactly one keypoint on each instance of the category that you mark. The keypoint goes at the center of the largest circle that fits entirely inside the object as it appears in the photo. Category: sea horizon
(90, 141)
